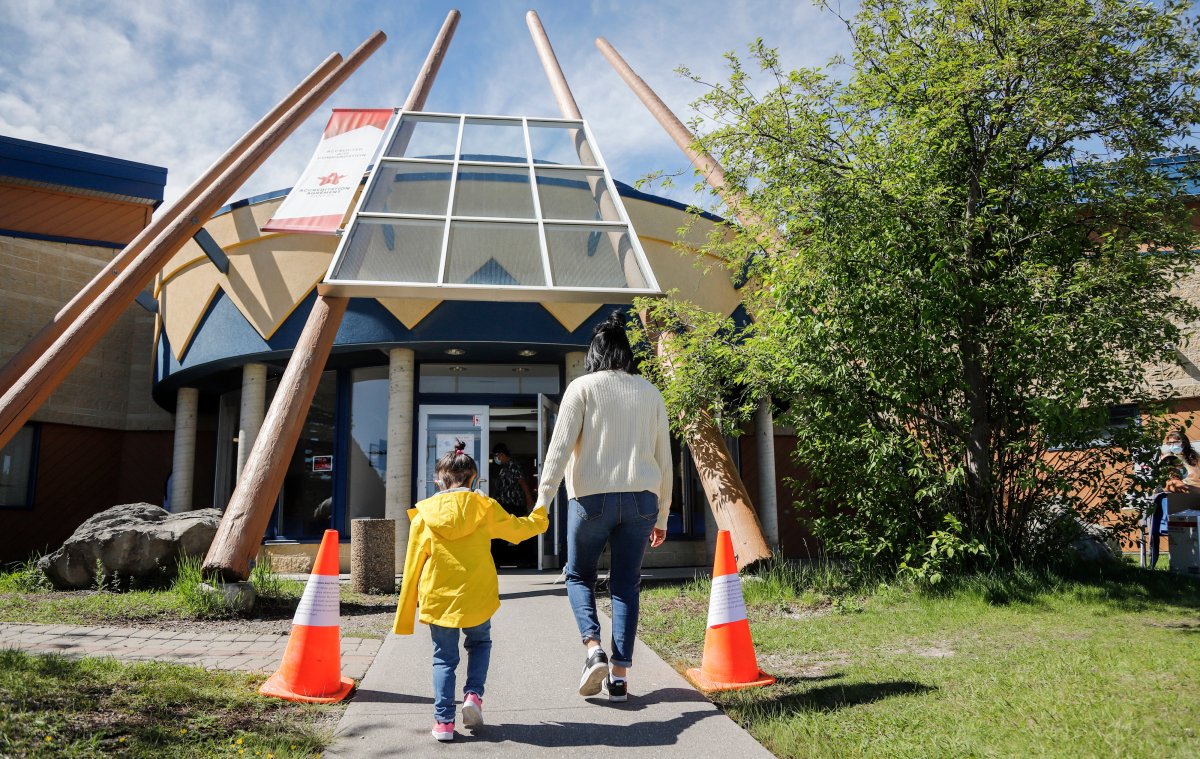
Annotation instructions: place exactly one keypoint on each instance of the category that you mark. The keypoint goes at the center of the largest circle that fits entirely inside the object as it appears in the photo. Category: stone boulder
(137, 541)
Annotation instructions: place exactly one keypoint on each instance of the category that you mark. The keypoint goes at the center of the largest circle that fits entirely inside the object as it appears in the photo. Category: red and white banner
(318, 202)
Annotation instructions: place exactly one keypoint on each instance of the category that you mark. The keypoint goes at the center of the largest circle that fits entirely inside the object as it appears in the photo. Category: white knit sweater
(611, 436)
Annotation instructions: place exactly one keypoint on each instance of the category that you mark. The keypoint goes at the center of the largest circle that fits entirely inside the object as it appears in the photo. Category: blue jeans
(445, 661)
(624, 521)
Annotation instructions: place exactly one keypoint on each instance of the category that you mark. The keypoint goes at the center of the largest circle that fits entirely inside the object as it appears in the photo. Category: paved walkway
(531, 705)
(249, 652)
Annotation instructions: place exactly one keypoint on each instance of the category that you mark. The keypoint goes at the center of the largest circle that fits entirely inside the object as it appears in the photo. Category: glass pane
(441, 431)
(554, 143)
(392, 251)
(506, 379)
(308, 485)
(368, 443)
(501, 192)
(600, 257)
(424, 137)
(409, 188)
(494, 254)
(16, 461)
(487, 140)
(575, 194)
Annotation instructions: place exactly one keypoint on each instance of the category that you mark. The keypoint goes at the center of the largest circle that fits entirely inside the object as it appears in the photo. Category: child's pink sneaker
(472, 710)
(443, 731)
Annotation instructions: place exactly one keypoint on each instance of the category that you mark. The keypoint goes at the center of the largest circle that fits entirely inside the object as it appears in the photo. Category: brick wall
(110, 387)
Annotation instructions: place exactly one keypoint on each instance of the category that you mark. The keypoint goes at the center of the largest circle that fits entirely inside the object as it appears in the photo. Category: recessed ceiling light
(458, 368)
(520, 369)
(455, 351)
(526, 352)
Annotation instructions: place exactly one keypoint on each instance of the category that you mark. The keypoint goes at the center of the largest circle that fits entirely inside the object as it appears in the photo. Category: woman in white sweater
(613, 443)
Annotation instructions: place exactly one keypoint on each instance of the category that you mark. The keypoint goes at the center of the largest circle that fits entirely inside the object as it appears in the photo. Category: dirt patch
(935, 650)
(821, 667)
(363, 616)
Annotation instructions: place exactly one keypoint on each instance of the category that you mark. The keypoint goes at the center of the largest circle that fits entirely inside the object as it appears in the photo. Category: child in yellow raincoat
(449, 571)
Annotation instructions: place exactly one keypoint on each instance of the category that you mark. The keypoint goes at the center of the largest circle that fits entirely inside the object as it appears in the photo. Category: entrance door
(440, 427)
(552, 544)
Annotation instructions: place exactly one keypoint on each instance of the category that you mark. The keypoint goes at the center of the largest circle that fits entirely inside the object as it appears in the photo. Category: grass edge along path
(55, 706)
(991, 666)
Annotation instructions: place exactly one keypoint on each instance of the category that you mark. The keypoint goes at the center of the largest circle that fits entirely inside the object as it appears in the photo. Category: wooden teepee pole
(22, 399)
(249, 510)
(37, 345)
(722, 483)
(683, 137)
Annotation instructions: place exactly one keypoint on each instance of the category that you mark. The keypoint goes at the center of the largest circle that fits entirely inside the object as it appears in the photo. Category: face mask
(497, 460)
(1174, 449)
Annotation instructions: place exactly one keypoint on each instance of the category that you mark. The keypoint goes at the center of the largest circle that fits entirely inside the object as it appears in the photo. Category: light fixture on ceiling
(520, 369)
(526, 352)
(458, 369)
(455, 352)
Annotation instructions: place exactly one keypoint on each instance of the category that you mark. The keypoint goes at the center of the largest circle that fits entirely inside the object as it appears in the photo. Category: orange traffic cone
(729, 662)
(312, 662)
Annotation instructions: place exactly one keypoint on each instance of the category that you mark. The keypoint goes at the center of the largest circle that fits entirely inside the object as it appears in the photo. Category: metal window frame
(441, 289)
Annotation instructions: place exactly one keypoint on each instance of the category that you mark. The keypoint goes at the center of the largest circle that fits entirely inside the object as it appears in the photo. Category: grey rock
(139, 541)
(238, 596)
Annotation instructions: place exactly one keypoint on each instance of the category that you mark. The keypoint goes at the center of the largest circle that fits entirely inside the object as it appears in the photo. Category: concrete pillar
(575, 365)
(187, 402)
(254, 407)
(768, 501)
(398, 497)
(372, 552)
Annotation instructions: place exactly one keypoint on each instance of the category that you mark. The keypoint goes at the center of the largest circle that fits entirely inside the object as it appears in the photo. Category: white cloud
(175, 83)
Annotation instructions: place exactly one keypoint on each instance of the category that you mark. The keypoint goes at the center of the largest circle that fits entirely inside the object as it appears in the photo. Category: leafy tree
(961, 255)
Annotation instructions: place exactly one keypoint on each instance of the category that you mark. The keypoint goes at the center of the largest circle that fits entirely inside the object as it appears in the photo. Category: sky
(174, 83)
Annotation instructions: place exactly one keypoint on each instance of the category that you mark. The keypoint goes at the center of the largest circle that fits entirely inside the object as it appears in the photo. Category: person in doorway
(1176, 452)
(512, 489)
(449, 571)
(612, 442)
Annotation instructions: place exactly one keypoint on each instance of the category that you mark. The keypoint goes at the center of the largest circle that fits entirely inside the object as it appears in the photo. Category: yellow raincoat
(449, 565)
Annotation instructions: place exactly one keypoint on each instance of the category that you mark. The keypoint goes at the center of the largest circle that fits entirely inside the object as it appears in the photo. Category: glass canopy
(490, 208)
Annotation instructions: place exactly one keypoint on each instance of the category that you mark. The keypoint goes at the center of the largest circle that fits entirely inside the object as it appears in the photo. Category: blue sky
(175, 83)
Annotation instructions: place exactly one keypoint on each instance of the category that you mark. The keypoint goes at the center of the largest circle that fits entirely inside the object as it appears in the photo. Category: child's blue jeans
(445, 661)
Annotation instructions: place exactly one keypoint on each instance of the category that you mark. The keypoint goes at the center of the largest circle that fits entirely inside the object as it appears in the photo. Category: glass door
(440, 427)
(552, 544)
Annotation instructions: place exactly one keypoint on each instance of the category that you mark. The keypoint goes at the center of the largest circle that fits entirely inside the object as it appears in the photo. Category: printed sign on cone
(729, 661)
(312, 663)
(319, 200)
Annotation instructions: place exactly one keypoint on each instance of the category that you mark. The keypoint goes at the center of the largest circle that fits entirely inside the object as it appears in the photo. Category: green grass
(990, 666)
(59, 707)
(26, 596)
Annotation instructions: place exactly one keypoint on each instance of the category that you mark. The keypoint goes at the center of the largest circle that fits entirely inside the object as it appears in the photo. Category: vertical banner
(319, 200)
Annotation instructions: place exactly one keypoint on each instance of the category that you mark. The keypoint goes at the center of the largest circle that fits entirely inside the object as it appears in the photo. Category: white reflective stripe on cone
(726, 603)
(320, 604)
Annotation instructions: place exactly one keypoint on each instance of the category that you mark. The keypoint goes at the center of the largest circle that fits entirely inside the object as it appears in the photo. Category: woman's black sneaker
(616, 690)
(595, 670)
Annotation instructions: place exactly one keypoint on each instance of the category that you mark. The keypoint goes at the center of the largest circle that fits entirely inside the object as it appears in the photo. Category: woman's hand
(657, 537)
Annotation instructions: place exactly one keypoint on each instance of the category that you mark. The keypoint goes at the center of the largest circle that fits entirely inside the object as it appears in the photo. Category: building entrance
(514, 483)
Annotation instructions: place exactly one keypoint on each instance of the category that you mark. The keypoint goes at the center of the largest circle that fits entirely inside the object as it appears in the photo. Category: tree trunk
(723, 486)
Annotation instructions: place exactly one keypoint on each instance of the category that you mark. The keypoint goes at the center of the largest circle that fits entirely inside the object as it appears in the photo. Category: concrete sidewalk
(248, 652)
(532, 707)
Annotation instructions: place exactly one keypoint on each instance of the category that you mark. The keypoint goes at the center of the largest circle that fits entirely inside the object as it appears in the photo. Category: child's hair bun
(459, 447)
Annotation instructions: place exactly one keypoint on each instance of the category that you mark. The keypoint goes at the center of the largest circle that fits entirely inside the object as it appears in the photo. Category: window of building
(367, 446)
(490, 208)
(494, 379)
(17, 462)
